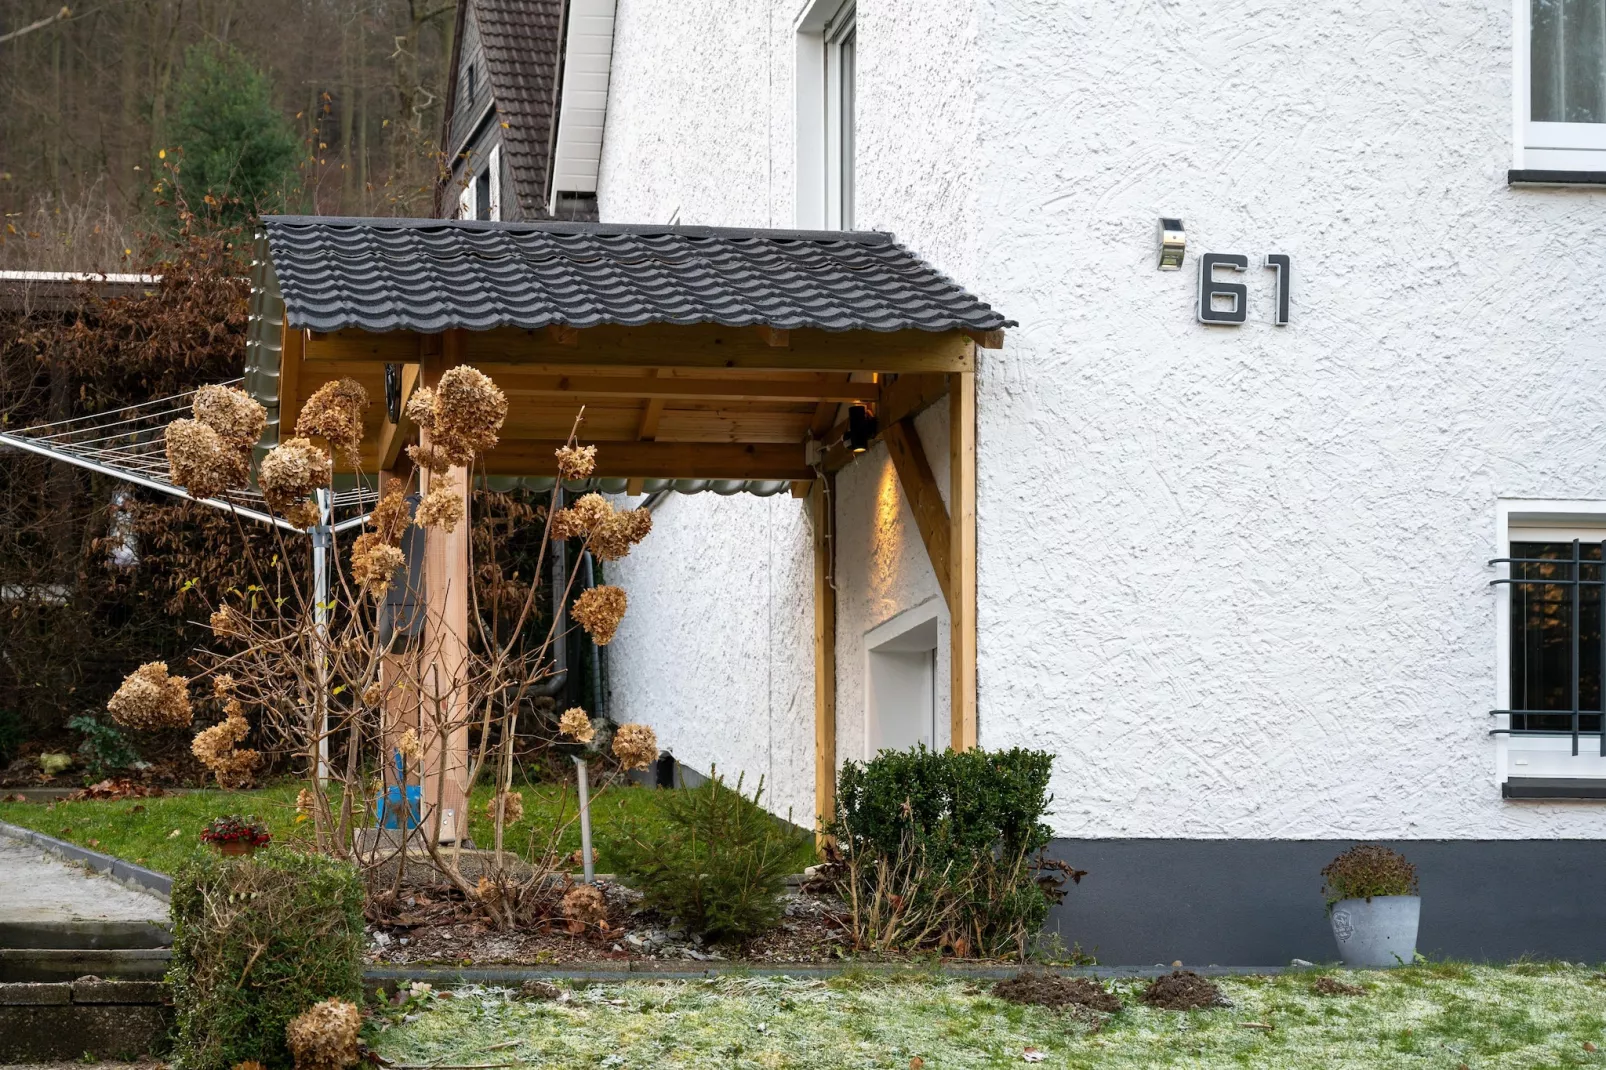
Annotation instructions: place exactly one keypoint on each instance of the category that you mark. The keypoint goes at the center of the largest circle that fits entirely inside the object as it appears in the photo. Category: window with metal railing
(1557, 644)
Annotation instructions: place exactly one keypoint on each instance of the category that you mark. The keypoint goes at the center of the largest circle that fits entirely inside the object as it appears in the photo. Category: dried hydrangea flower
(291, 471)
(374, 563)
(585, 908)
(223, 685)
(576, 462)
(511, 803)
(469, 411)
(200, 461)
(324, 1037)
(599, 611)
(216, 748)
(334, 412)
(304, 514)
(421, 408)
(615, 536)
(635, 745)
(390, 517)
(373, 694)
(306, 802)
(576, 724)
(227, 624)
(237, 417)
(409, 745)
(150, 698)
(441, 508)
(434, 458)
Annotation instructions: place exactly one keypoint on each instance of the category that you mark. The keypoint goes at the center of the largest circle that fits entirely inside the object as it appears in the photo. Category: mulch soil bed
(1332, 986)
(436, 925)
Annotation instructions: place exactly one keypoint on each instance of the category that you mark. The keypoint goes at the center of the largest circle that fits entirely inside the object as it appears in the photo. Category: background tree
(234, 145)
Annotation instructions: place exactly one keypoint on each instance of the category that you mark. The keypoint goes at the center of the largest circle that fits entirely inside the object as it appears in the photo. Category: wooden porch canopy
(698, 353)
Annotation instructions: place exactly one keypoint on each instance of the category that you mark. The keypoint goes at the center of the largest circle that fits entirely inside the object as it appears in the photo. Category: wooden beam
(773, 336)
(393, 437)
(802, 488)
(962, 559)
(694, 346)
(521, 384)
(651, 413)
(987, 339)
(925, 499)
(909, 395)
(659, 460)
(822, 500)
(561, 334)
(444, 684)
(634, 487)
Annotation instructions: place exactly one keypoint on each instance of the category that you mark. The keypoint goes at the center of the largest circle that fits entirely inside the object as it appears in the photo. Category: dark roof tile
(429, 275)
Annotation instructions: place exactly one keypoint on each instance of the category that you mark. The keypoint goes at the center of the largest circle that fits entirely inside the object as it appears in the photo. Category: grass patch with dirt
(141, 830)
(1444, 1015)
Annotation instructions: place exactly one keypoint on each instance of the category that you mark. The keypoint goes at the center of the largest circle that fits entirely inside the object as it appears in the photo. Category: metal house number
(1211, 288)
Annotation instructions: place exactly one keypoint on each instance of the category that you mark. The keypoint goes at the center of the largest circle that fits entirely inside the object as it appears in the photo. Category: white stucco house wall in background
(1235, 578)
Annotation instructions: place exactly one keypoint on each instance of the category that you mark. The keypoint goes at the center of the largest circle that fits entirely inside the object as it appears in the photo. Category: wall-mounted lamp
(861, 428)
(1173, 243)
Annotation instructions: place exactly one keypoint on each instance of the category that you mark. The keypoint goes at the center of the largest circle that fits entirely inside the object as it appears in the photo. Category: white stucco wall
(1233, 577)
(716, 651)
(700, 125)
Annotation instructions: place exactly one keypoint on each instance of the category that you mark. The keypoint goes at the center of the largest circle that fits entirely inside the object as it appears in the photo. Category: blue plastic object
(389, 808)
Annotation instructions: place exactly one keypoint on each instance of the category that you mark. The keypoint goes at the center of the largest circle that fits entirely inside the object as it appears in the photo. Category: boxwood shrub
(944, 849)
(256, 941)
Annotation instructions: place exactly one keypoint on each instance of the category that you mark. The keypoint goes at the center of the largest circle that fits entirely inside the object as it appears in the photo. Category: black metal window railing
(1558, 644)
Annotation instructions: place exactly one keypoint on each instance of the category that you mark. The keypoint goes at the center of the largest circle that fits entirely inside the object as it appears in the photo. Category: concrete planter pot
(1378, 932)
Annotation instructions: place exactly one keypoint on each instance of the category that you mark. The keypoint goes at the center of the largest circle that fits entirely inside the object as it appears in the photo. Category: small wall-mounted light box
(1173, 243)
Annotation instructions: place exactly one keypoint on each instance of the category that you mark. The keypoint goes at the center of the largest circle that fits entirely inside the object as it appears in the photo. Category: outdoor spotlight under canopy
(861, 428)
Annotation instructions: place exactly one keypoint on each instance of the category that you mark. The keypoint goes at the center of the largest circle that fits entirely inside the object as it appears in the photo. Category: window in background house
(827, 110)
(471, 84)
(482, 194)
(840, 43)
(1561, 84)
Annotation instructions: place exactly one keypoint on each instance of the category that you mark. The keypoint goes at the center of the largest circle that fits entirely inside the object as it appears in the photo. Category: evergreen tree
(237, 147)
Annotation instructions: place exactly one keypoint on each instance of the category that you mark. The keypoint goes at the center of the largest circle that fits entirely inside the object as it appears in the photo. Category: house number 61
(1210, 288)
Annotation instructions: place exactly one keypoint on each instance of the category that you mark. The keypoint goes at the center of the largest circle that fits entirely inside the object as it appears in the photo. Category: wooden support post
(822, 504)
(444, 682)
(398, 676)
(962, 557)
(925, 500)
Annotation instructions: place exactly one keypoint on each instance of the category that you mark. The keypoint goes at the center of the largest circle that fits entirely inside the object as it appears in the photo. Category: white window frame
(1538, 520)
(1545, 146)
(888, 635)
(495, 167)
(825, 196)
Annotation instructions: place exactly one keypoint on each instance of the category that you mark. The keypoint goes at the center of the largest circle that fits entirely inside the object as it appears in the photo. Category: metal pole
(581, 775)
(322, 543)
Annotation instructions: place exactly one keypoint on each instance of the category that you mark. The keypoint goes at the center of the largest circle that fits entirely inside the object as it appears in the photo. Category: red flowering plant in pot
(235, 835)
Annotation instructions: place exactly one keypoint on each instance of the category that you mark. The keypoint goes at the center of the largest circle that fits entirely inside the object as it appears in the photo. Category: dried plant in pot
(235, 835)
(1373, 905)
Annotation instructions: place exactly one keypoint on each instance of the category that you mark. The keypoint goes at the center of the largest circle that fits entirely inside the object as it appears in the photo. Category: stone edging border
(514, 975)
(137, 877)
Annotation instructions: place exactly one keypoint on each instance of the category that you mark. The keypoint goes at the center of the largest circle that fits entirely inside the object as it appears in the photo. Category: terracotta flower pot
(236, 847)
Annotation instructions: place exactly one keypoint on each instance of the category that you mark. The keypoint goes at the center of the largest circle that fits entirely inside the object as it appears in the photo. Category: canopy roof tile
(427, 276)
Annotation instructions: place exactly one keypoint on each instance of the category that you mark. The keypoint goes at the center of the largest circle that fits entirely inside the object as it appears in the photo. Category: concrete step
(86, 1017)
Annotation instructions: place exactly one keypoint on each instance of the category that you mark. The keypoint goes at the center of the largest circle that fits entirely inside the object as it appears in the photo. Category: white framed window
(481, 196)
(900, 681)
(1550, 636)
(827, 109)
(1559, 83)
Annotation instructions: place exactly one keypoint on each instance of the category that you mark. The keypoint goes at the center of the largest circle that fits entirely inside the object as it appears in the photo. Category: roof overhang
(697, 353)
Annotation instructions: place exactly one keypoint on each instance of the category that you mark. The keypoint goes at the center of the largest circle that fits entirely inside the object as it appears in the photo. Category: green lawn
(141, 830)
(1435, 1016)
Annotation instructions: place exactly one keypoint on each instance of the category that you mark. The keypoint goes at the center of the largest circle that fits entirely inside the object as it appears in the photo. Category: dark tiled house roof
(522, 41)
(429, 275)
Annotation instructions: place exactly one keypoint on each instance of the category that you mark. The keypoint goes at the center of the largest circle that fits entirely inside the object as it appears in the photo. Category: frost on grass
(1435, 1015)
